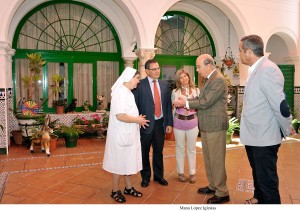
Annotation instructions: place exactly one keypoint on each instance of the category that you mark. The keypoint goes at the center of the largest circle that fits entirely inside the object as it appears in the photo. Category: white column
(6, 53)
(144, 55)
(128, 61)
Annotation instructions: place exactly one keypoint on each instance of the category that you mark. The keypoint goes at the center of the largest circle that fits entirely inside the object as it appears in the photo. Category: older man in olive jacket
(213, 123)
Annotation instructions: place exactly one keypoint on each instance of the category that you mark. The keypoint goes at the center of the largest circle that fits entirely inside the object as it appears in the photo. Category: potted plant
(71, 134)
(295, 121)
(296, 124)
(86, 106)
(30, 81)
(36, 138)
(17, 136)
(96, 123)
(233, 126)
(59, 105)
(54, 125)
(56, 89)
(30, 117)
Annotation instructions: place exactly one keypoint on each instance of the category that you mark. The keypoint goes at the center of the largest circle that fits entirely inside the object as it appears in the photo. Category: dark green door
(288, 73)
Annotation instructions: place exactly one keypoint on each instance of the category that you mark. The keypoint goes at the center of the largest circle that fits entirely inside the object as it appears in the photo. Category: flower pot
(296, 126)
(229, 138)
(59, 109)
(17, 136)
(29, 123)
(71, 141)
(53, 142)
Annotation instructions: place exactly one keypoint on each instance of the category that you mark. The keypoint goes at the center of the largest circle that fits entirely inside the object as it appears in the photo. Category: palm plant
(56, 89)
(35, 73)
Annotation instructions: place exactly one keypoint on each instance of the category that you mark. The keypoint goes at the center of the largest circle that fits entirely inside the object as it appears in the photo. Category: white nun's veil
(126, 76)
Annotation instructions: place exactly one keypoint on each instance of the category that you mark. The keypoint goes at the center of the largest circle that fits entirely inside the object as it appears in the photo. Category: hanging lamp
(228, 59)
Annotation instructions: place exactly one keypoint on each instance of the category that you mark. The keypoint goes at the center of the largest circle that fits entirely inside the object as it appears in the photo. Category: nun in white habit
(123, 154)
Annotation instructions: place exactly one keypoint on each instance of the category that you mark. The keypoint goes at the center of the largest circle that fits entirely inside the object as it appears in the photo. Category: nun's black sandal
(118, 196)
(132, 192)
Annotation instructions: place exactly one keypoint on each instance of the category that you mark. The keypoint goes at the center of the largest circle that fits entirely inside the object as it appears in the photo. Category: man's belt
(182, 117)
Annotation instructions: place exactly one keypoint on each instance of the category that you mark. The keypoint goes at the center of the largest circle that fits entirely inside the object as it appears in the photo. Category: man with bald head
(213, 124)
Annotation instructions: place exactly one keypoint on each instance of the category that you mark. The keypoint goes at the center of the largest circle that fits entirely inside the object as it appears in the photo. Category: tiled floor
(75, 176)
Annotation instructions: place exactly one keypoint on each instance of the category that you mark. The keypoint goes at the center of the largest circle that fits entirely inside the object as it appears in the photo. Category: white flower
(228, 98)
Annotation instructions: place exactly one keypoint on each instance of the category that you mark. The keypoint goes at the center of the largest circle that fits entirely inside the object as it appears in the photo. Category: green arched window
(180, 38)
(77, 42)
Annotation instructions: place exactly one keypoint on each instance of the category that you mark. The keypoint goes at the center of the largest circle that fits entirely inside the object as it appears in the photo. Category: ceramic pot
(17, 136)
(71, 141)
(53, 142)
(59, 109)
(29, 123)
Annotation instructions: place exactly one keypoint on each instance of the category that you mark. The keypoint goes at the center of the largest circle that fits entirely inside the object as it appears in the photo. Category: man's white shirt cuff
(187, 104)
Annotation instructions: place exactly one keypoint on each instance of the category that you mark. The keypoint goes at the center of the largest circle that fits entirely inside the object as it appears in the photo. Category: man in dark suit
(153, 99)
(213, 124)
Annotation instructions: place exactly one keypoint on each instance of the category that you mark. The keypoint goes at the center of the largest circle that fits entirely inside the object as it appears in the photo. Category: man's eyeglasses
(157, 68)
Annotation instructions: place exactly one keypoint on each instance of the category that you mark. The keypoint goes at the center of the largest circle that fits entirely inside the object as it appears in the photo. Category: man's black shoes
(161, 181)
(145, 183)
(205, 190)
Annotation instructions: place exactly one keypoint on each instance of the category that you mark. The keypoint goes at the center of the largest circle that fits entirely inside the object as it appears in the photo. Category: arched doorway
(77, 42)
(278, 50)
(180, 39)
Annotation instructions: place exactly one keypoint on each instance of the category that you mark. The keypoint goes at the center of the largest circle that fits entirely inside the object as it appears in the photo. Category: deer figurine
(43, 138)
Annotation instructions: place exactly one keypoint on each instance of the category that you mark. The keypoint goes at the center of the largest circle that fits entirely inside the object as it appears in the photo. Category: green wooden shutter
(288, 73)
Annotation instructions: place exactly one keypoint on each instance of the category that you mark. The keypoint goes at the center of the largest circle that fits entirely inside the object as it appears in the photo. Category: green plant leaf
(233, 125)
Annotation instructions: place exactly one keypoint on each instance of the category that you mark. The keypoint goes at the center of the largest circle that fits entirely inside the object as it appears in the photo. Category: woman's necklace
(185, 92)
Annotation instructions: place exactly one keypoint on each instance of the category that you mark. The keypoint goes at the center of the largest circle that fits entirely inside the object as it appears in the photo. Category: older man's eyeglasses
(157, 68)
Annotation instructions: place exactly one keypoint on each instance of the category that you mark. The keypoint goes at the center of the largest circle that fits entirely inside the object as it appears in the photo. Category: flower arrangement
(95, 119)
(105, 119)
(95, 123)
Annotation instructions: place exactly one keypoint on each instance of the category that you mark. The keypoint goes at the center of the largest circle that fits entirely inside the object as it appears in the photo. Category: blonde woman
(185, 126)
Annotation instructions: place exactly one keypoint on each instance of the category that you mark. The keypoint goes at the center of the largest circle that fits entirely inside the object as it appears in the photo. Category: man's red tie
(157, 106)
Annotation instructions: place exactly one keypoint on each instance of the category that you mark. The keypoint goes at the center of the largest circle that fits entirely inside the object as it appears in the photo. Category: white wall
(137, 21)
